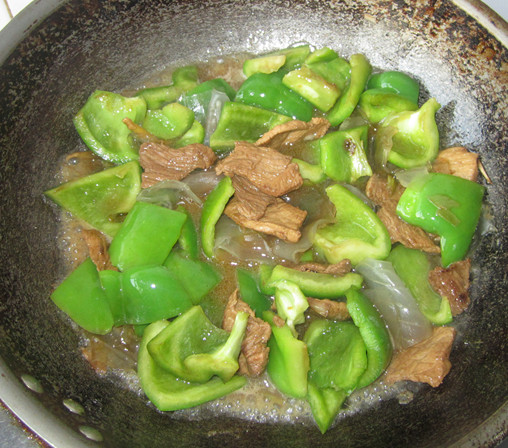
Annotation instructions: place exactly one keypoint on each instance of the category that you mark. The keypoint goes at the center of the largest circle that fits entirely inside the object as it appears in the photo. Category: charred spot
(350, 146)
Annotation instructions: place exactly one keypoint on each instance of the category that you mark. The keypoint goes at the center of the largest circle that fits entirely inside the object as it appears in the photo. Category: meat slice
(163, 163)
(254, 355)
(330, 309)
(453, 283)
(98, 249)
(341, 268)
(457, 161)
(425, 362)
(387, 194)
(294, 132)
(252, 202)
(268, 170)
(280, 219)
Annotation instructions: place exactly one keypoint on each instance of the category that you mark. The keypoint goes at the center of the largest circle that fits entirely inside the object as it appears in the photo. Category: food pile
(312, 205)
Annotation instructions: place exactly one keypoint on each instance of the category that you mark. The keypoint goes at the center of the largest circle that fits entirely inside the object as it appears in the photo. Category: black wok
(57, 53)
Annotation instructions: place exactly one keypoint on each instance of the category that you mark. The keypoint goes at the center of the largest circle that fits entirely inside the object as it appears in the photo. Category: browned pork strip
(341, 268)
(457, 161)
(268, 170)
(293, 132)
(381, 191)
(329, 309)
(252, 203)
(163, 163)
(280, 219)
(425, 362)
(453, 283)
(98, 249)
(254, 355)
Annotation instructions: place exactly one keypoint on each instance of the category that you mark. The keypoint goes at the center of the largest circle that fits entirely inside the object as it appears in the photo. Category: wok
(58, 52)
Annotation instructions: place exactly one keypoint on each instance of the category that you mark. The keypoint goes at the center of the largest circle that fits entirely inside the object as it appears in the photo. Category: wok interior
(113, 45)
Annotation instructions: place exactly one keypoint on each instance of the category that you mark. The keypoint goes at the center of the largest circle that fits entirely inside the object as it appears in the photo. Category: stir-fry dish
(297, 221)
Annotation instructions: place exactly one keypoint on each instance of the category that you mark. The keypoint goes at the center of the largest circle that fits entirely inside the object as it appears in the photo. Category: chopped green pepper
(168, 392)
(290, 303)
(185, 77)
(250, 293)
(170, 122)
(269, 92)
(194, 349)
(214, 84)
(82, 298)
(377, 104)
(343, 154)
(325, 404)
(295, 57)
(111, 282)
(263, 64)
(213, 207)
(447, 205)
(288, 361)
(327, 63)
(188, 240)
(310, 172)
(357, 233)
(196, 134)
(101, 199)
(396, 82)
(100, 125)
(344, 107)
(413, 136)
(146, 236)
(374, 333)
(312, 87)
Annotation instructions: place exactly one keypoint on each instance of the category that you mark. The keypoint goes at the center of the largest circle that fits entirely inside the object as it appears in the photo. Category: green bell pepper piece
(310, 172)
(111, 282)
(312, 87)
(240, 122)
(357, 233)
(268, 92)
(288, 361)
(446, 205)
(194, 349)
(412, 266)
(196, 276)
(170, 122)
(343, 154)
(214, 84)
(185, 77)
(416, 138)
(265, 272)
(100, 125)
(168, 392)
(325, 404)
(337, 354)
(263, 64)
(213, 207)
(101, 199)
(313, 284)
(146, 237)
(396, 82)
(82, 298)
(344, 107)
(377, 104)
(250, 294)
(291, 303)
(374, 333)
(327, 64)
(151, 293)
(188, 239)
(196, 134)
(295, 57)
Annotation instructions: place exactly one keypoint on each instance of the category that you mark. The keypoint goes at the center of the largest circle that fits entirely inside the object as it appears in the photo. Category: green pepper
(291, 303)
(213, 207)
(194, 349)
(357, 233)
(344, 107)
(188, 239)
(196, 276)
(196, 134)
(111, 282)
(150, 293)
(446, 205)
(412, 266)
(100, 125)
(82, 298)
(263, 64)
(239, 122)
(101, 199)
(170, 122)
(268, 92)
(288, 362)
(377, 104)
(214, 84)
(343, 154)
(396, 82)
(413, 136)
(146, 236)
(314, 284)
(325, 404)
(295, 57)
(312, 87)
(337, 354)
(374, 333)
(250, 294)
(168, 392)
(185, 77)
(312, 173)
(327, 63)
